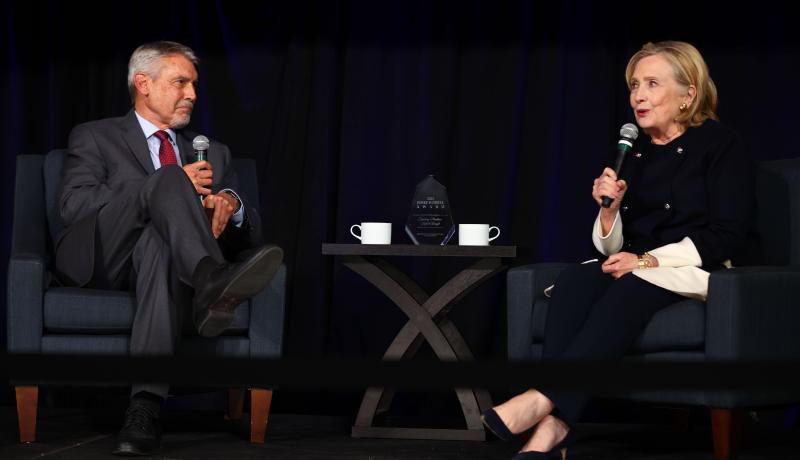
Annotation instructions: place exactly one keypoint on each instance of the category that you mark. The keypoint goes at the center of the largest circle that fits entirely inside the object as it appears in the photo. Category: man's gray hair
(145, 59)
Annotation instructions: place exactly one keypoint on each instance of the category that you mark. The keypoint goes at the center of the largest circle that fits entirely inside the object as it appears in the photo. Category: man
(140, 214)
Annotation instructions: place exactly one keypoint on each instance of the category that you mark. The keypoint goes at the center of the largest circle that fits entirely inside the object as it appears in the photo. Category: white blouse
(678, 263)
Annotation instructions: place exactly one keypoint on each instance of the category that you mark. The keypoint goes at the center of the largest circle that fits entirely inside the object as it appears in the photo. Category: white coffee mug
(475, 234)
(373, 232)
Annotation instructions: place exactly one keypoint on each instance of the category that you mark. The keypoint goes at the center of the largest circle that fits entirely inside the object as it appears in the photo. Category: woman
(683, 209)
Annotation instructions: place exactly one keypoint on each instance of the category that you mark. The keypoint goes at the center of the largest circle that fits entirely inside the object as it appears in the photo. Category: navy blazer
(699, 185)
(109, 160)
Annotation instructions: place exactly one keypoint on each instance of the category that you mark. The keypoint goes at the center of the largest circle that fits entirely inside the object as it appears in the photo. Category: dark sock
(203, 271)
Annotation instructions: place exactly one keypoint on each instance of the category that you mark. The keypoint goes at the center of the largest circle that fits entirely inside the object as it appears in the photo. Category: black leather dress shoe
(141, 433)
(221, 289)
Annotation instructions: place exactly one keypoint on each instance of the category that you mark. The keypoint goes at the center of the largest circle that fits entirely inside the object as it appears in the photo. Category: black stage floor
(80, 433)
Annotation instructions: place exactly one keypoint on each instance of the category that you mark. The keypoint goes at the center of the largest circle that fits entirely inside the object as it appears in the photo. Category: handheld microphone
(628, 133)
(200, 145)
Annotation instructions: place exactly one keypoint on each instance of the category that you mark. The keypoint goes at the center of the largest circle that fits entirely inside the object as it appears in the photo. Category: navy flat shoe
(532, 456)
(495, 424)
(558, 451)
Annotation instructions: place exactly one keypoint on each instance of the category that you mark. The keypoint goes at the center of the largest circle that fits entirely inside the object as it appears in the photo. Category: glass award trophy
(430, 221)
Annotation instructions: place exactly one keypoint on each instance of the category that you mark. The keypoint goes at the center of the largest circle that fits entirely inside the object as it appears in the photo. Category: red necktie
(166, 154)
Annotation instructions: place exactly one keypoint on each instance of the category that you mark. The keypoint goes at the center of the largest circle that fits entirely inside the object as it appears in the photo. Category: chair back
(778, 213)
(248, 180)
(51, 170)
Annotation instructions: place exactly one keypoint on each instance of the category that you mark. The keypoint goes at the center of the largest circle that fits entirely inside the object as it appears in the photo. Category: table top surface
(429, 250)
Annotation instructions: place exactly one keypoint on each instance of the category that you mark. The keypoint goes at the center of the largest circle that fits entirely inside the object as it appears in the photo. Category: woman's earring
(683, 107)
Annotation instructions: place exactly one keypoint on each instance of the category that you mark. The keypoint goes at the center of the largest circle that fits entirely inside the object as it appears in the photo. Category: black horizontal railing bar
(591, 376)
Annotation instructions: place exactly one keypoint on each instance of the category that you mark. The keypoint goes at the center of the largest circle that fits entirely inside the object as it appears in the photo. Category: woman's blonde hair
(690, 69)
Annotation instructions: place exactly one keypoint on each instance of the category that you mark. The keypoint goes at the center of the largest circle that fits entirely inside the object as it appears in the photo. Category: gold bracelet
(643, 260)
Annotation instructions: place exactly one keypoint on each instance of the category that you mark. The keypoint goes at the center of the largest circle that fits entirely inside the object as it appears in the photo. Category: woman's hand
(608, 185)
(624, 262)
(620, 263)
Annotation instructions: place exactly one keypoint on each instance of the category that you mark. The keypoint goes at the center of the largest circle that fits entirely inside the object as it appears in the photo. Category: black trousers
(593, 316)
(151, 242)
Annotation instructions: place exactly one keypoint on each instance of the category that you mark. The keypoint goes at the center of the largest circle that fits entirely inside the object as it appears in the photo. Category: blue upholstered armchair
(752, 313)
(47, 319)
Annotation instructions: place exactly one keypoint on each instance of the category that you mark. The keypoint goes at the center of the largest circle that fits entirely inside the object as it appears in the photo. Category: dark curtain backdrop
(513, 106)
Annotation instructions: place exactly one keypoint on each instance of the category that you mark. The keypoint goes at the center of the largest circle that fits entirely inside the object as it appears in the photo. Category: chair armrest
(25, 297)
(267, 311)
(27, 266)
(524, 284)
(29, 229)
(752, 314)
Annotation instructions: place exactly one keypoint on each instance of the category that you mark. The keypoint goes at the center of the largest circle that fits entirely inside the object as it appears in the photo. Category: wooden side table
(427, 321)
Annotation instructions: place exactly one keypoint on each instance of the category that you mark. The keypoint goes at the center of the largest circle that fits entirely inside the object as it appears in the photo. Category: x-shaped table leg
(427, 322)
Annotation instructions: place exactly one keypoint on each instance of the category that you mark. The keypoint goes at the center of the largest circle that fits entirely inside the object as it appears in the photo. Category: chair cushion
(96, 311)
(680, 326)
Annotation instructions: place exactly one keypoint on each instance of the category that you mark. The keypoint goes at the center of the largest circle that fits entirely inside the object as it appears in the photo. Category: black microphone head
(200, 143)
(629, 131)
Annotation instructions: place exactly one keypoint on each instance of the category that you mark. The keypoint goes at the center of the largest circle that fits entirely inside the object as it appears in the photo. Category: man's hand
(220, 208)
(201, 175)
